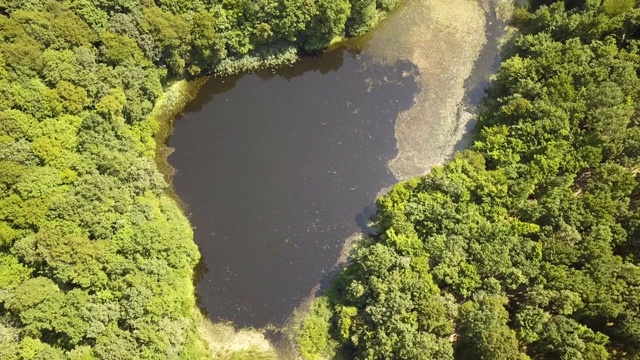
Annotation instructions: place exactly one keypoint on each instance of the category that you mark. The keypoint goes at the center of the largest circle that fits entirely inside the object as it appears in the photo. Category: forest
(526, 245)
(96, 258)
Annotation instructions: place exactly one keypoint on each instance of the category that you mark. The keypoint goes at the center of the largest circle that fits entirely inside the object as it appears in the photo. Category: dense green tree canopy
(96, 261)
(526, 245)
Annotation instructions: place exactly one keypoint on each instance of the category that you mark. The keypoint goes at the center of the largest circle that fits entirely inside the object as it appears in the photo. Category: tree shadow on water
(199, 272)
(322, 63)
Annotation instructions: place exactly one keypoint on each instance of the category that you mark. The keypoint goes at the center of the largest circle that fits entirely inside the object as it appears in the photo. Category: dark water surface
(277, 169)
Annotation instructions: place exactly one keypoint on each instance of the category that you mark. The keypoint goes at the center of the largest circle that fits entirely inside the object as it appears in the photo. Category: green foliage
(363, 17)
(270, 57)
(330, 22)
(484, 331)
(524, 246)
(118, 49)
(313, 337)
(616, 7)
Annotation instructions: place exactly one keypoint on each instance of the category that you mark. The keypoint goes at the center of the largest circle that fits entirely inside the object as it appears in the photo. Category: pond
(277, 168)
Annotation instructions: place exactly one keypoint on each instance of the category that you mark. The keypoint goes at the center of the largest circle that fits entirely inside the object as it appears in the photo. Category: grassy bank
(225, 342)
(165, 112)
